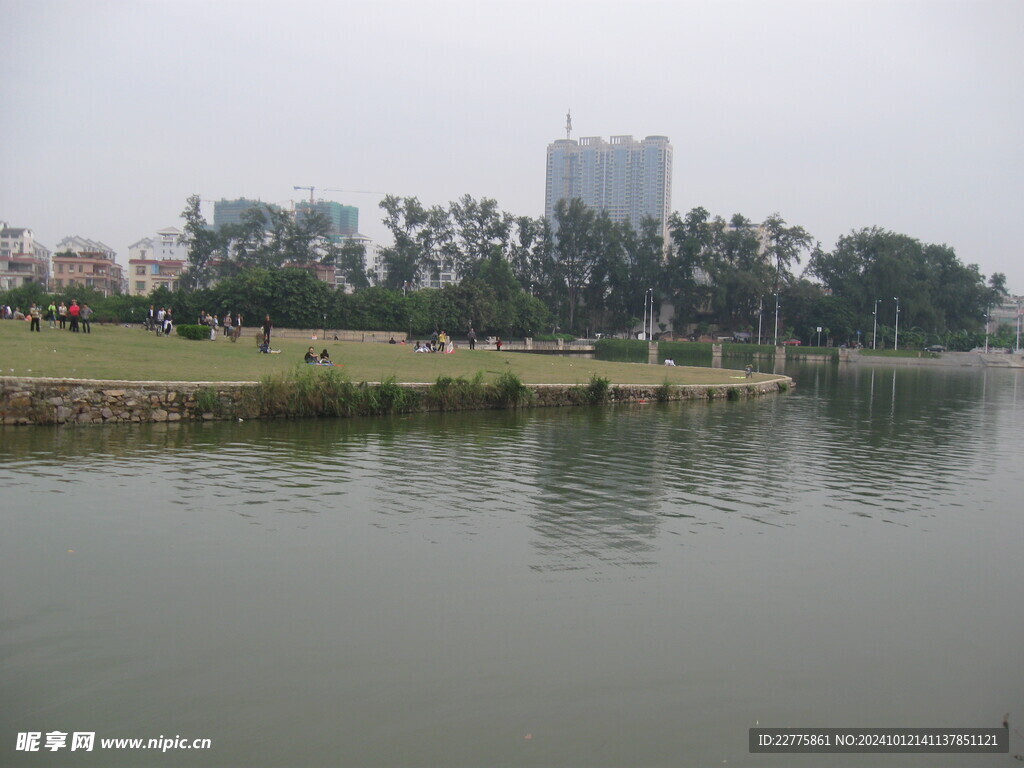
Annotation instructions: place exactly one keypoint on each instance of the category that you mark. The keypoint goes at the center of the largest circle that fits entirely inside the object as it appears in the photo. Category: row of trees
(294, 298)
(582, 272)
(269, 238)
(592, 273)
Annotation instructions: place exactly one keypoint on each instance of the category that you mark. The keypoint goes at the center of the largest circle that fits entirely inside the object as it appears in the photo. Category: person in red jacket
(73, 312)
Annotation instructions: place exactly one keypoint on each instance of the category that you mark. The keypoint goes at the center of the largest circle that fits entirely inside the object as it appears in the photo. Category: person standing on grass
(472, 338)
(238, 328)
(62, 314)
(51, 314)
(267, 328)
(85, 315)
(74, 311)
(34, 314)
(497, 343)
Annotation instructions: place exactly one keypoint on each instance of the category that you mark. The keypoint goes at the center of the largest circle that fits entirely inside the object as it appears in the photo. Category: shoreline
(40, 401)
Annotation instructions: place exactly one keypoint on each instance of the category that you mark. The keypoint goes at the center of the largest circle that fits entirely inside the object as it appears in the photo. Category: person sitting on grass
(325, 358)
(311, 357)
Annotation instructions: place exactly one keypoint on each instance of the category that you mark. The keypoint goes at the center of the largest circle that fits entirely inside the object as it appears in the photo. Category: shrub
(208, 402)
(598, 390)
(194, 332)
(783, 386)
(664, 392)
(449, 394)
(392, 397)
(508, 391)
(733, 393)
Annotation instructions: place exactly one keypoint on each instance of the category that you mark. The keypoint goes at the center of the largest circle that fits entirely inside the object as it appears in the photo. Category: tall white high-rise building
(629, 179)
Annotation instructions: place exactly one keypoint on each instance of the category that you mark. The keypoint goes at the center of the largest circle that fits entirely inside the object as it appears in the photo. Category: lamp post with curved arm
(896, 343)
(874, 329)
(776, 319)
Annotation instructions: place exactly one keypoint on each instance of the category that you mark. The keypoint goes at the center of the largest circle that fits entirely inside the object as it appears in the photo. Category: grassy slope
(113, 352)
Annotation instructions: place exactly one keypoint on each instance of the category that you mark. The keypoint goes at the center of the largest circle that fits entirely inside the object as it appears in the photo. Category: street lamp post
(896, 341)
(760, 316)
(988, 322)
(643, 326)
(1017, 349)
(776, 318)
(874, 328)
(650, 334)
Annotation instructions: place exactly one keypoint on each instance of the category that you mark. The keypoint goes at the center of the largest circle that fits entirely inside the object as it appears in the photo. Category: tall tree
(479, 228)
(687, 269)
(203, 244)
(405, 218)
(575, 251)
(783, 247)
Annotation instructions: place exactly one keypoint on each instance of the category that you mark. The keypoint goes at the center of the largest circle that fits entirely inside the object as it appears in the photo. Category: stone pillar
(652, 352)
(529, 342)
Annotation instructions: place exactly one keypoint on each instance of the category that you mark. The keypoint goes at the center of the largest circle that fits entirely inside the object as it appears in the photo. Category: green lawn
(115, 352)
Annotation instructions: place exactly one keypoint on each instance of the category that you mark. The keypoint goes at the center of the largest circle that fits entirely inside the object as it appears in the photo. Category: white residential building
(22, 259)
(156, 262)
(629, 179)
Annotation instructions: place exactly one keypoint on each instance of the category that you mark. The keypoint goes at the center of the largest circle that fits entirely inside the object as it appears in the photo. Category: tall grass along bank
(309, 392)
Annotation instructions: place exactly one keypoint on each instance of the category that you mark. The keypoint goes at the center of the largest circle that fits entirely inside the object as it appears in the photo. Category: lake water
(624, 586)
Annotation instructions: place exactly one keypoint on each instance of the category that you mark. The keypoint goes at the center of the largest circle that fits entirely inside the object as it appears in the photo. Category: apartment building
(22, 259)
(629, 179)
(156, 262)
(79, 261)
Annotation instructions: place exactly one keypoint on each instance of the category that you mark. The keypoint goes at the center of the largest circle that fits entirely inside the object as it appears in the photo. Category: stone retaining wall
(26, 401)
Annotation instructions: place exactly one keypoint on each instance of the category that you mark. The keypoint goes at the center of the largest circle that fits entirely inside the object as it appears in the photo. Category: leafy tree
(406, 219)
(203, 244)
(783, 247)
(351, 263)
(575, 251)
(479, 229)
(936, 291)
(687, 269)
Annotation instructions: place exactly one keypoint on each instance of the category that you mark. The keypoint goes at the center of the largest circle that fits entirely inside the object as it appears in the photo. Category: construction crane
(310, 192)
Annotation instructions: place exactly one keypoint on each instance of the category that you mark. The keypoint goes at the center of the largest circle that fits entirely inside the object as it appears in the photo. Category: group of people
(231, 324)
(159, 320)
(439, 342)
(74, 317)
(312, 358)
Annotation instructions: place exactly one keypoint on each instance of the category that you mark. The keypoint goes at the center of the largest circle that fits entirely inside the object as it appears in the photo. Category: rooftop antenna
(568, 124)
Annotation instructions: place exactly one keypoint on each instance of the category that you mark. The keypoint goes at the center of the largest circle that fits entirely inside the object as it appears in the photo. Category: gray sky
(837, 115)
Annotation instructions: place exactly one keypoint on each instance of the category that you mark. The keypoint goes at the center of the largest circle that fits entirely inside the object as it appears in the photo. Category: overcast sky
(837, 115)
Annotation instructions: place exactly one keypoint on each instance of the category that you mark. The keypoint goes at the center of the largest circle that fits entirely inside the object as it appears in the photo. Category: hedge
(194, 332)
